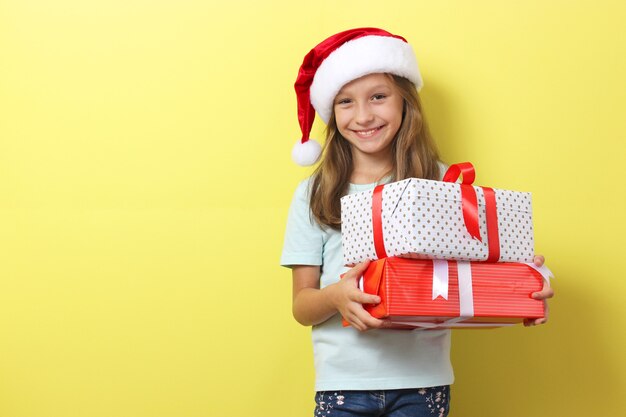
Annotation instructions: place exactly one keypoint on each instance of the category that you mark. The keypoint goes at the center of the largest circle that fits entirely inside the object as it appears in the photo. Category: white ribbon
(440, 288)
(543, 270)
(466, 294)
(440, 279)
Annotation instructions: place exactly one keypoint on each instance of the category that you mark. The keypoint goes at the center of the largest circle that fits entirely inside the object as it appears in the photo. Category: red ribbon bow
(469, 205)
(468, 195)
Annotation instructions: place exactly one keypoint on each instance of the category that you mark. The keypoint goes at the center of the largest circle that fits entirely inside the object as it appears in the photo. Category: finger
(545, 293)
(365, 298)
(386, 324)
(534, 322)
(362, 318)
(358, 269)
(370, 322)
(355, 322)
(375, 324)
(539, 260)
(357, 316)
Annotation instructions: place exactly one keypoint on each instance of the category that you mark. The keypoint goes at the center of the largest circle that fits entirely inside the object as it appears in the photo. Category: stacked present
(446, 254)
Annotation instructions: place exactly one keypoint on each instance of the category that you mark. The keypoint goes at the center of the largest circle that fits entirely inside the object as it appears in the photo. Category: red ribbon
(492, 224)
(377, 221)
(468, 195)
(469, 205)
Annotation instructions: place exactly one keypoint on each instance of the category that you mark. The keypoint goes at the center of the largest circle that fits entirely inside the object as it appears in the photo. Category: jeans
(419, 402)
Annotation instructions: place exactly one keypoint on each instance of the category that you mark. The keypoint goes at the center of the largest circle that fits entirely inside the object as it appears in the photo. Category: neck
(370, 168)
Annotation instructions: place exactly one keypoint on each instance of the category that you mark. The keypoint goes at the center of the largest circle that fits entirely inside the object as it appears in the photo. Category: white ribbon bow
(440, 279)
(440, 286)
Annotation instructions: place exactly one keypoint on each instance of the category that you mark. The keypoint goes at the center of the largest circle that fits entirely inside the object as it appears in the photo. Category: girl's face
(368, 113)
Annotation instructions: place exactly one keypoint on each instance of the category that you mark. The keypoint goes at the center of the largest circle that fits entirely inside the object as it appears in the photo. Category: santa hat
(335, 62)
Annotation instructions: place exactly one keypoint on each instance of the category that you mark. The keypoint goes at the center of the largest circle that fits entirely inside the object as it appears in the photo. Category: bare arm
(312, 305)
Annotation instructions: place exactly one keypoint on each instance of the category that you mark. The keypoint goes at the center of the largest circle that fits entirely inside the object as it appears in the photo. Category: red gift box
(450, 294)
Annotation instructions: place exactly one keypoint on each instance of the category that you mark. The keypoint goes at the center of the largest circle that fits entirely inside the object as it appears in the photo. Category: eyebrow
(373, 88)
(376, 87)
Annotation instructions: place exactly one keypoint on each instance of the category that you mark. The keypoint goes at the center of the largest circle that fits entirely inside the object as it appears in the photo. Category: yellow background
(145, 177)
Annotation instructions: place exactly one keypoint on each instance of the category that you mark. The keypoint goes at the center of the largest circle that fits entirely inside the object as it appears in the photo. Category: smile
(367, 133)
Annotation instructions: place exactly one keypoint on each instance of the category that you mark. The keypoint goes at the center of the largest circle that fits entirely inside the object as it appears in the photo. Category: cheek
(398, 116)
(342, 120)
(341, 116)
(393, 117)
(399, 109)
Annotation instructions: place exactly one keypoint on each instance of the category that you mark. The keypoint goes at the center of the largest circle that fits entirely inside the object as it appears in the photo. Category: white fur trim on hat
(359, 57)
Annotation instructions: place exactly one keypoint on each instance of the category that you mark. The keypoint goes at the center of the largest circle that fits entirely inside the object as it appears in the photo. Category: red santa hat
(335, 62)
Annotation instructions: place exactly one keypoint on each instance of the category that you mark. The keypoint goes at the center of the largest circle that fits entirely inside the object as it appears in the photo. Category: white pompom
(307, 153)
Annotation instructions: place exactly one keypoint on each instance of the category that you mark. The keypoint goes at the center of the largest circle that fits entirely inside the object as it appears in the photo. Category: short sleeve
(304, 238)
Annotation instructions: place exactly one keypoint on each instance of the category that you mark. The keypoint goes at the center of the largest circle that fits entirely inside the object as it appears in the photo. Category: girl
(363, 83)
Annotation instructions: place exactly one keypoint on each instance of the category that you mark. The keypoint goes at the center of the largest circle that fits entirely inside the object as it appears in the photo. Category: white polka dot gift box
(427, 219)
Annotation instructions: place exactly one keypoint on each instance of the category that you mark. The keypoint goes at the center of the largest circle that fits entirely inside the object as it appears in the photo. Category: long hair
(415, 155)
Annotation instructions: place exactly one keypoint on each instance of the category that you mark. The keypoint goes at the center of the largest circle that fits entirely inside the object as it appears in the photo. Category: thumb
(358, 269)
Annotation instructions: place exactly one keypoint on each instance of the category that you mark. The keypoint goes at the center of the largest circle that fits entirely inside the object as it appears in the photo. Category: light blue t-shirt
(346, 359)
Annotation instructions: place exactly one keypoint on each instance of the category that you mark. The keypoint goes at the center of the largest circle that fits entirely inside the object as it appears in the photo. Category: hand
(348, 299)
(545, 293)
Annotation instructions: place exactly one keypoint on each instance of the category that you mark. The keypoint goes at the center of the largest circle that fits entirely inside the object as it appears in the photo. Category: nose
(364, 115)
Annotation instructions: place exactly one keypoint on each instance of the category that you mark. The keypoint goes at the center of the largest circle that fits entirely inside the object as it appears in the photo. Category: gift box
(427, 219)
(450, 294)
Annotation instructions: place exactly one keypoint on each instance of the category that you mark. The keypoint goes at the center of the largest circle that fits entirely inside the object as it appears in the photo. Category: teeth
(366, 132)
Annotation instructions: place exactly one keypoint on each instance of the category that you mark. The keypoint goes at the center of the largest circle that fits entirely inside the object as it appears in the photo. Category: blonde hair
(415, 155)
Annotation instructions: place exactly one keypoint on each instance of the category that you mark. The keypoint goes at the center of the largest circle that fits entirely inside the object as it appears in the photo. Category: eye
(343, 101)
(377, 97)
